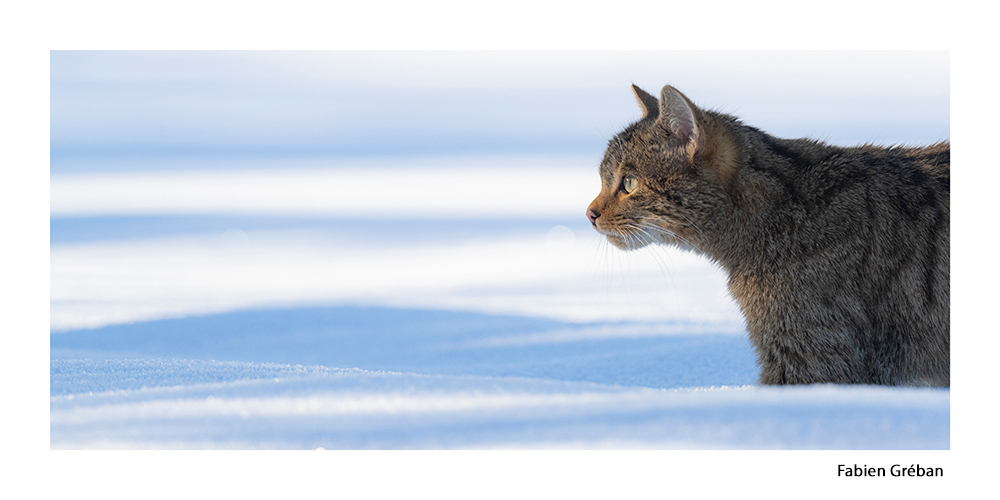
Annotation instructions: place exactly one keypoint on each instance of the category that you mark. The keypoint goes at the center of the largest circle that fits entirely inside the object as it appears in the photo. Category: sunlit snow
(356, 250)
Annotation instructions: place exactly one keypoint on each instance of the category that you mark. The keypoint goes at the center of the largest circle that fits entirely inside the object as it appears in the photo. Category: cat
(838, 257)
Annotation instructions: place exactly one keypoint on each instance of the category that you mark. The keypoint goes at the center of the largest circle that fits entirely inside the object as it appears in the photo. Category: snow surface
(281, 406)
(181, 325)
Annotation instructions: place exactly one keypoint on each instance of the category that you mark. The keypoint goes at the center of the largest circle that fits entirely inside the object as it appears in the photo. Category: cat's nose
(592, 215)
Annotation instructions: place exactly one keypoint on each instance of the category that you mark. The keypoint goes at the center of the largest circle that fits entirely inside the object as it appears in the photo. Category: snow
(122, 267)
(240, 259)
(307, 408)
(233, 329)
(520, 186)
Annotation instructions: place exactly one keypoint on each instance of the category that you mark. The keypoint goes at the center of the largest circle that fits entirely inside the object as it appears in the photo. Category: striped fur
(837, 257)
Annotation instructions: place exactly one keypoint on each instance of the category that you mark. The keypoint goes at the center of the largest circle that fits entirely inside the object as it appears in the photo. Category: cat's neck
(759, 174)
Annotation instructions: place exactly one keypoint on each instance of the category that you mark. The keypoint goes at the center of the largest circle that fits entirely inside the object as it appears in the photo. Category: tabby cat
(837, 257)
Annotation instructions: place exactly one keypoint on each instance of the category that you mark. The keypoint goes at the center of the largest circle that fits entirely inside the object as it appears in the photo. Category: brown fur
(838, 257)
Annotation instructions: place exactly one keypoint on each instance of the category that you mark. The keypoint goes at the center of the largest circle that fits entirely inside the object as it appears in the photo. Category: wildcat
(838, 257)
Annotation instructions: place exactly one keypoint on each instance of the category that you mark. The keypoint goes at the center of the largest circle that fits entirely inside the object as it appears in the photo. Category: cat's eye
(630, 183)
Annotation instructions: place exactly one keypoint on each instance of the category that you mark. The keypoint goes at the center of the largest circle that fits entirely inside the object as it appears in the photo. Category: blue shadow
(76, 230)
(420, 341)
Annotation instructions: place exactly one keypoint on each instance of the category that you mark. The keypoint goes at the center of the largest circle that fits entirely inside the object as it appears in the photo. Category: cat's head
(663, 176)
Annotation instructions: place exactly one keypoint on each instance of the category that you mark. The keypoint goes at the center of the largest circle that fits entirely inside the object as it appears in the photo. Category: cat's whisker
(694, 226)
(688, 224)
(673, 222)
(603, 269)
(660, 263)
(669, 232)
(798, 285)
(609, 268)
(652, 248)
(635, 237)
(676, 235)
(621, 267)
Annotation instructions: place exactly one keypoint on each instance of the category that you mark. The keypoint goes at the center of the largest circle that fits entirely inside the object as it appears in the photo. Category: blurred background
(360, 226)
(110, 107)
(200, 181)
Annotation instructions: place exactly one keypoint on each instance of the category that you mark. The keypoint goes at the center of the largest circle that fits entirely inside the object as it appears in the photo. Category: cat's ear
(677, 115)
(650, 108)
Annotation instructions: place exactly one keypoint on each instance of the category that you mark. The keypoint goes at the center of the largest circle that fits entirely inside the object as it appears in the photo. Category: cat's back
(815, 183)
(888, 201)
(935, 161)
(929, 165)
(908, 186)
